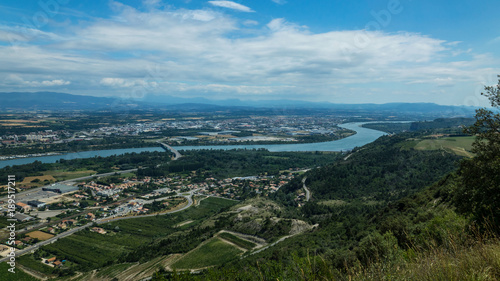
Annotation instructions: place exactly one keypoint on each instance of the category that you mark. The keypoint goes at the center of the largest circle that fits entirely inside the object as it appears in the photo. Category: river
(362, 137)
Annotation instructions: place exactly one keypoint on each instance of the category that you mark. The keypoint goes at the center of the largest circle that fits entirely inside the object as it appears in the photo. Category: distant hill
(52, 101)
(66, 102)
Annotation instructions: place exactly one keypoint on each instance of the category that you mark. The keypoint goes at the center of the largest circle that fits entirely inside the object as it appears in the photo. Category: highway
(176, 153)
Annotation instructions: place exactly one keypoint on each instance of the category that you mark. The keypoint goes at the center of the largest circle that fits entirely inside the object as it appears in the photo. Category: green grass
(113, 270)
(214, 252)
(62, 175)
(236, 240)
(19, 275)
(457, 145)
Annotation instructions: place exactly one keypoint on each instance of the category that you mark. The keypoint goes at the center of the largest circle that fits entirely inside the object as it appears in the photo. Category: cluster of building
(108, 191)
(53, 262)
(39, 136)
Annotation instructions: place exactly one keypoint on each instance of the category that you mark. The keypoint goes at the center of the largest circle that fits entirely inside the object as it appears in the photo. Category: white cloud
(279, 2)
(58, 82)
(127, 83)
(46, 83)
(250, 22)
(231, 5)
(189, 52)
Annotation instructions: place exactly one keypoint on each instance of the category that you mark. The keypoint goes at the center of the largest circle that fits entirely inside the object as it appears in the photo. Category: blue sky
(338, 51)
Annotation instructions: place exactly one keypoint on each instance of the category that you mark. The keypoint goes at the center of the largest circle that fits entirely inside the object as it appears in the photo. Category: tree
(479, 191)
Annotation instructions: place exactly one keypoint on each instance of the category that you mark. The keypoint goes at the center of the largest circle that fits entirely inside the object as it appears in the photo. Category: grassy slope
(237, 241)
(214, 252)
(19, 275)
(458, 145)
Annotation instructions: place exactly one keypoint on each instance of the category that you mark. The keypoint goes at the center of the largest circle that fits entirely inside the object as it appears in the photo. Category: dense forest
(452, 126)
(240, 162)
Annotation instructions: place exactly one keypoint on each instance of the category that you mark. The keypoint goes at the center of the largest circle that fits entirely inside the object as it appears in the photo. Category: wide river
(362, 137)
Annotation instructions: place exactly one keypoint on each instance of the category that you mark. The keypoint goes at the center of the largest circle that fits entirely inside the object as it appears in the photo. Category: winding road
(308, 193)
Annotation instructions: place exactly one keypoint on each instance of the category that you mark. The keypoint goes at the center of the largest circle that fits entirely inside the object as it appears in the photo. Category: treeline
(241, 162)
(76, 146)
(441, 125)
(99, 164)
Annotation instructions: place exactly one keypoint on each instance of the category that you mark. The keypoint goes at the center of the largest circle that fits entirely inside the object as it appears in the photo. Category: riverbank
(362, 137)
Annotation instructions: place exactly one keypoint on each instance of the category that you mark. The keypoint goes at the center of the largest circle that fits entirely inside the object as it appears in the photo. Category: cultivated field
(61, 175)
(214, 252)
(40, 235)
(457, 145)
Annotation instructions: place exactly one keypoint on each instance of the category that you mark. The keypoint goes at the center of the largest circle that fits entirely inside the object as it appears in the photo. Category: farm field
(61, 175)
(37, 181)
(237, 240)
(458, 145)
(40, 235)
(214, 252)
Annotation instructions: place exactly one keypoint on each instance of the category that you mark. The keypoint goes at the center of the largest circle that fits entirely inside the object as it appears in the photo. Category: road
(176, 153)
(189, 204)
(308, 193)
(48, 241)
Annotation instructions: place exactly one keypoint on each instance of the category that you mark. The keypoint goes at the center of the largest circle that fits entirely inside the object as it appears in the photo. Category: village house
(98, 230)
(22, 206)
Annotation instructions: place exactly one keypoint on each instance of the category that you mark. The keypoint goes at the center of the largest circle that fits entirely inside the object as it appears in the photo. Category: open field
(36, 181)
(458, 145)
(61, 175)
(237, 240)
(332, 203)
(214, 252)
(40, 235)
(28, 180)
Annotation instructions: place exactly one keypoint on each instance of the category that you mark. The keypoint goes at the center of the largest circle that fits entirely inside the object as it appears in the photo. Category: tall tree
(479, 192)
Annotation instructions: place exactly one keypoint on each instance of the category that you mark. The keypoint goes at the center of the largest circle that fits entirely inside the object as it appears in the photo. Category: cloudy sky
(340, 51)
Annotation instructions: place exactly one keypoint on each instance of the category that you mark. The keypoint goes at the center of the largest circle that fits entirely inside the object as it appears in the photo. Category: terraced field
(214, 252)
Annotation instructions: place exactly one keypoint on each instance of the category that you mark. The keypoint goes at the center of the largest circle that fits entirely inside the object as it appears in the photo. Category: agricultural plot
(40, 235)
(237, 240)
(458, 145)
(62, 175)
(214, 252)
(19, 275)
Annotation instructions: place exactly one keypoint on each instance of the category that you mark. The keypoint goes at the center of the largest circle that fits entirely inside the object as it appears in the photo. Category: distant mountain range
(65, 102)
